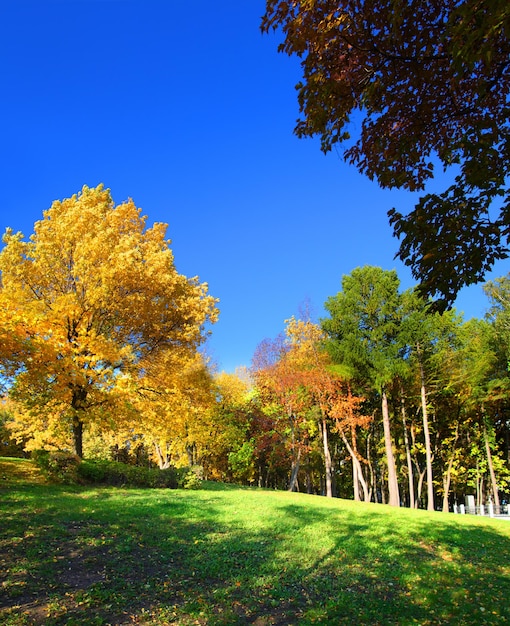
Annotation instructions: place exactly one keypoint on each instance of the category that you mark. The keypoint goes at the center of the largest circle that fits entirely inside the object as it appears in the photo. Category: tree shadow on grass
(164, 557)
(95, 557)
(401, 567)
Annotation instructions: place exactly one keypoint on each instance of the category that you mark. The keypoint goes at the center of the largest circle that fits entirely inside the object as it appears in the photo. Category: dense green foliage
(65, 468)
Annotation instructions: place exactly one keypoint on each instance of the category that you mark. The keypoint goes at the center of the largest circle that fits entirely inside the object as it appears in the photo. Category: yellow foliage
(173, 405)
(232, 389)
(89, 305)
(305, 339)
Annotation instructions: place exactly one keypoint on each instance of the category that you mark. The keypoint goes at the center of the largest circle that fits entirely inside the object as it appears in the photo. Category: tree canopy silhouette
(431, 81)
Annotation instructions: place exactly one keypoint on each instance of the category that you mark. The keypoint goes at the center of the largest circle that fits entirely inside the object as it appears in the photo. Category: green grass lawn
(226, 555)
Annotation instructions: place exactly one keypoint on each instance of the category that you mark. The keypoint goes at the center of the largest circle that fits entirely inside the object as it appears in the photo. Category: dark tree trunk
(78, 436)
(78, 405)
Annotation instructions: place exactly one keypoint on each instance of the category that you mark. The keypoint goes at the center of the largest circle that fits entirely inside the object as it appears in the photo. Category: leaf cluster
(428, 81)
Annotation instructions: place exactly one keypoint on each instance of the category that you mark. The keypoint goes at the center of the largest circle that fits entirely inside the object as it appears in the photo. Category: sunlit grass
(224, 555)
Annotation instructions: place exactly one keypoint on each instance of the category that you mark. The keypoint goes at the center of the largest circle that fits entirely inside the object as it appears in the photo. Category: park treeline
(384, 399)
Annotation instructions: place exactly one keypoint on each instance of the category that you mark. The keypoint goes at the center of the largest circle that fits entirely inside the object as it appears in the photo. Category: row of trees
(383, 400)
(416, 402)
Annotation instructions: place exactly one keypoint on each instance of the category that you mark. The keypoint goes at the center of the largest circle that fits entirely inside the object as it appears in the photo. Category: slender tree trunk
(296, 458)
(327, 458)
(357, 473)
(448, 474)
(393, 491)
(494, 484)
(162, 456)
(189, 454)
(446, 485)
(294, 471)
(419, 471)
(408, 450)
(479, 485)
(383, 489)
(421, 478)
(309, 482)
(159, 456)
(361, 477)
(355, 481)
(426, 435)
(372, 492)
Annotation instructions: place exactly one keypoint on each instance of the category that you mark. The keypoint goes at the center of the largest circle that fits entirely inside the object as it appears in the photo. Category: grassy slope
(226, 555)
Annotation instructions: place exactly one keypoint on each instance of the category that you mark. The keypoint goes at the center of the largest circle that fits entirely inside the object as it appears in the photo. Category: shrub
(93, 471)
(67, 468)
(57, 466)
(121, 475)
(191, 477)
(8, 445)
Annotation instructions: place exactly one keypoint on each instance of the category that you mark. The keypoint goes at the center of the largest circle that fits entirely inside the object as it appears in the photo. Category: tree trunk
(479, 485)
(309, 482)
(78, 405)
(327, 459)
(294, 471)
(355, 480)
(163, 459)
(78, 436)
(296, 457)
(357, 472)
(446, 485)
(372, 491)
(494, 484)
(420, 486)
(393, 491)
(408, 450)
(426, 435)
(191, 451)
(448, 476)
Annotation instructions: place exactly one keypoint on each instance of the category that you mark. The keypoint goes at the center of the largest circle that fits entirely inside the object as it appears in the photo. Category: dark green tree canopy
(431, 80)
(364, 323)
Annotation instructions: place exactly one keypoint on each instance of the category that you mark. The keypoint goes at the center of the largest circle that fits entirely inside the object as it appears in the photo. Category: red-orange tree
(279, 387)
(330, 392)
(302, 378)
(347, 412)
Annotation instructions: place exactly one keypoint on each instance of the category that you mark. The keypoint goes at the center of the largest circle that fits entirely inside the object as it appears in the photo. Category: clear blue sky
(189, 110)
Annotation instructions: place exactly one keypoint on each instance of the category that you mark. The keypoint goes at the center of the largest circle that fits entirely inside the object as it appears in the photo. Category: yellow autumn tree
(173, 403)
(225, 442)
(87, 304)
